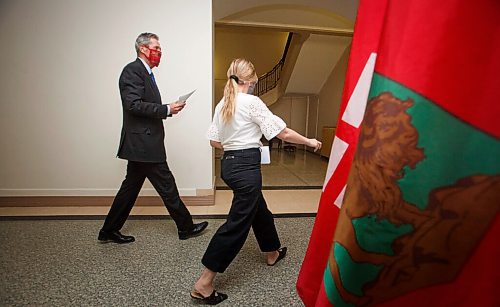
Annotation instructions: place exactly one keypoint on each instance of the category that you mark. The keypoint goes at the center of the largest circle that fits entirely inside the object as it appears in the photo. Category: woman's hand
(216, 144)
(291, 136)
(313, 143)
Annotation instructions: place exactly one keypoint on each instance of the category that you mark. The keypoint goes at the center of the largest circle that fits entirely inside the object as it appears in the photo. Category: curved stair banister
(269, 80)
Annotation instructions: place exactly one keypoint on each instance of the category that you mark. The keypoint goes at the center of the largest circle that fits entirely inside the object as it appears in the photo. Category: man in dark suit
(142, 144)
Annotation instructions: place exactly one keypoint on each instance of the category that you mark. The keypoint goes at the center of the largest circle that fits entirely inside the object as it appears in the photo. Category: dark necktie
(153, 78)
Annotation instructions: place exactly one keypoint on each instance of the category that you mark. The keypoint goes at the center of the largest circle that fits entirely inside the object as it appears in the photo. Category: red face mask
(154, 57)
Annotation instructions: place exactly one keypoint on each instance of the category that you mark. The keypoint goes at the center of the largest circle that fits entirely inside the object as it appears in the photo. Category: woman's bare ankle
(204, 285)
(203, 288)
(272, 256)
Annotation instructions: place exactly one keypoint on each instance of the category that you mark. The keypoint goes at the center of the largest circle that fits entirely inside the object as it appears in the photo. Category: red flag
(450, 54)
(362, 59)
(420, 213)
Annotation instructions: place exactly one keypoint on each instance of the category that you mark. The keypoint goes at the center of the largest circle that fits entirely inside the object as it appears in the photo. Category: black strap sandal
(282, 254)
(214, 298)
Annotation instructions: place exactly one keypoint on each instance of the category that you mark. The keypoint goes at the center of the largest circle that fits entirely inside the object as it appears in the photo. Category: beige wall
(313, 130)
(60, 110)
(330, 95)
(342, 10)
(263, 48)
(294, 110)
(309, 113)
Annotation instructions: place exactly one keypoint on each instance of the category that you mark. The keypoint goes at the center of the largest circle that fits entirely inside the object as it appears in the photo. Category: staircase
(270, 80)
(272, 85)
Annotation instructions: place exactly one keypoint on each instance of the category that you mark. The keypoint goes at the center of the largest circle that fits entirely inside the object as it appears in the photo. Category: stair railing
(270, 80)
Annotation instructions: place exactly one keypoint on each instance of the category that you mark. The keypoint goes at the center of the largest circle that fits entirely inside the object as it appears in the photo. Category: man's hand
(176, 107)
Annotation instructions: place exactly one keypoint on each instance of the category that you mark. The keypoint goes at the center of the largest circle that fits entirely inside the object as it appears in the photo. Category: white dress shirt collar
(146, 65)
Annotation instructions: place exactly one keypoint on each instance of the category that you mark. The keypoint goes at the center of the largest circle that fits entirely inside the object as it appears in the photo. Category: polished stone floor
(288, 170)
(60, 263)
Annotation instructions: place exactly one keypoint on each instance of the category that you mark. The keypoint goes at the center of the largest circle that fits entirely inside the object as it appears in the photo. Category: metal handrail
(269, 80)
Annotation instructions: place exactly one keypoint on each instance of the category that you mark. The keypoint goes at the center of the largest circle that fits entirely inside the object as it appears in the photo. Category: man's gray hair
(144, 39)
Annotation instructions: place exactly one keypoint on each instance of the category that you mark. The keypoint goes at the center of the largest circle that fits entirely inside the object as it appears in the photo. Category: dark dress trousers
(142, 144)
(240, 170)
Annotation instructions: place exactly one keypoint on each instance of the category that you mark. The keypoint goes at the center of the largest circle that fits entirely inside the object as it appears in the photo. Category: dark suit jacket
(142, 137)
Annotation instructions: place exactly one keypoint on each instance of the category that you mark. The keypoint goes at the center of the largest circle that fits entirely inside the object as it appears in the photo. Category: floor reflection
(299, 169)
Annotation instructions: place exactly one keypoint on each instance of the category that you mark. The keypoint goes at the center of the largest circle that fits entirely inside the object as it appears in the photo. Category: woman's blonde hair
(239, 71)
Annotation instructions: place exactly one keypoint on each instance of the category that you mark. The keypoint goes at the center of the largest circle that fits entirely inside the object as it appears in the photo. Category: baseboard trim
(135, 217)
(280, 187)
(89, 201)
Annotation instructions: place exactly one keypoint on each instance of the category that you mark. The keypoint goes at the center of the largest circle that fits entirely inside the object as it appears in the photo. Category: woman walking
(240, 119)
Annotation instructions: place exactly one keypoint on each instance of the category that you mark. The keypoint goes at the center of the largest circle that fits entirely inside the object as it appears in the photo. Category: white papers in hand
(265, 157)
(185, 97)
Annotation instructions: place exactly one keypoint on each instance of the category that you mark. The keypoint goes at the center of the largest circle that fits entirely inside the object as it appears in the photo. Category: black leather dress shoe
(114, 236)
(196, 230)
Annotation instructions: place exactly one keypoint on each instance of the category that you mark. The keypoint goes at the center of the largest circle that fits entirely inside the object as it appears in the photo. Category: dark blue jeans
(240, 170)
